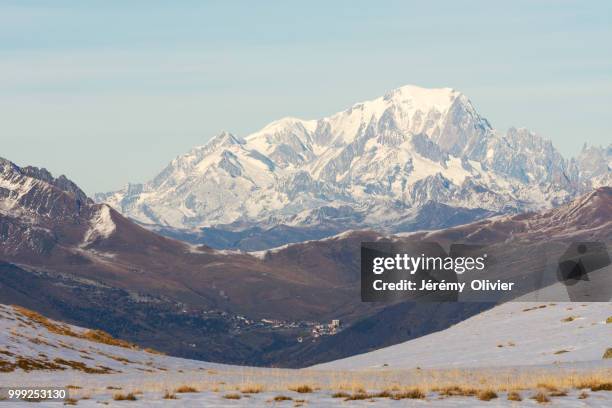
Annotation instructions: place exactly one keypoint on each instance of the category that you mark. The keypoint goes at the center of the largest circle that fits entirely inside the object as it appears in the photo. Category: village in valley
(306, 330)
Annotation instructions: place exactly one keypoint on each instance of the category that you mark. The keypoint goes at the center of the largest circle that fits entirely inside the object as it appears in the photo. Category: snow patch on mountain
(101, 226)
(11, 192)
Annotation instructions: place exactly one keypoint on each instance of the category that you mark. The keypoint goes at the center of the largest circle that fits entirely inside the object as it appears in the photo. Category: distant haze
(110, 92)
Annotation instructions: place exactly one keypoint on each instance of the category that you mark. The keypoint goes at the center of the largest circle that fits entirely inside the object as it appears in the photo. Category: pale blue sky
(108, 92)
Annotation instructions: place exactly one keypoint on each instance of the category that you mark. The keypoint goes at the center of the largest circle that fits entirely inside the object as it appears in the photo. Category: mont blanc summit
(394, 162)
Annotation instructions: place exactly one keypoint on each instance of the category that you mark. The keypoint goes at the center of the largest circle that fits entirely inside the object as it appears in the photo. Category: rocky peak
(36, 190)
(223, 139)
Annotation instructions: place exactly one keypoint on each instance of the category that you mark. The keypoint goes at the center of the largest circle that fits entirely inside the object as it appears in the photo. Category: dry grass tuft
(547, 386)
(456, 390)
(606, 386)
(70, 401)
(169, 395)
(514, 396)
(358, 396)
(383, 394)
(185, 389)
(409, 394)
(124, 397)
(302, 389)
(362, 395)
(282, 398)
(29, 364)
(80, 366)
(486, 395)
(534, 308)
(103, 337)
(6, 367)
(252, 389)
(232, 396)
(541, 398)
(152, 351)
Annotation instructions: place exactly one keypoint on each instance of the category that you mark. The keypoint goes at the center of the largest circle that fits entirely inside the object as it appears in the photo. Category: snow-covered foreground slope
(512, 334)
(101, 371)
(31, 342)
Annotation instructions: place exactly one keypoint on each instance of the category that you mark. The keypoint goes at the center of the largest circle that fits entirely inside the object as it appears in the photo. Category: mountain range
(413, 159)
(72, 259)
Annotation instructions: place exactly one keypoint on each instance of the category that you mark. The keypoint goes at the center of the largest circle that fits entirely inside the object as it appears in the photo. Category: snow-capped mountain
(378, 164)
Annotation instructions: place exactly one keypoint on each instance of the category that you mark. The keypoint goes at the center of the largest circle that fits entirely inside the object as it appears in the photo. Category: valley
(72, 259)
